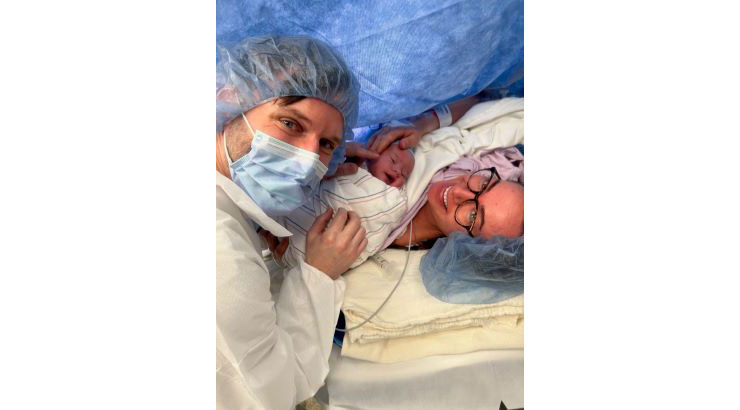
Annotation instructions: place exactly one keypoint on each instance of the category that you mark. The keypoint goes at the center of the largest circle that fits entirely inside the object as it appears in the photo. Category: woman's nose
(462, 193)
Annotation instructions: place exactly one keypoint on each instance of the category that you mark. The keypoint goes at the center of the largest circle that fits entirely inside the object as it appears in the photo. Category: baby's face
(393, 167)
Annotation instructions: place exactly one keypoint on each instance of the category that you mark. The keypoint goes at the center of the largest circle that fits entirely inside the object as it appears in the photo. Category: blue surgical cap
(261, 69)
(463, 269)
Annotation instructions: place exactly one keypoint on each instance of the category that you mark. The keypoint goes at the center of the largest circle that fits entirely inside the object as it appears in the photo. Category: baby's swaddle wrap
(379, 206)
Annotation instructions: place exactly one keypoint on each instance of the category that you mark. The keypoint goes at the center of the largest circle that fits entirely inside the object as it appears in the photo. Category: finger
(348, 168)
(358, 237)
(282, 247)
(356, 160)
(371, 141)
(337, 223)
(351, 148)
(319, 224)
(352, 225)
(409, 142)
(374, 139)
(269, 239)
(362, 246)
(366, 154)
(362, 152)
(386, 140)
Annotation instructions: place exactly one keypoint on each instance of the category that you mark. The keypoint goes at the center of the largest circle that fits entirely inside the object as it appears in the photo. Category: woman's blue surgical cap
(260, 69)
(463, 269)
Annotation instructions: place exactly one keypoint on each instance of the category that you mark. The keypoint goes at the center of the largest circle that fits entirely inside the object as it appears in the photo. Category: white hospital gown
(271, 353)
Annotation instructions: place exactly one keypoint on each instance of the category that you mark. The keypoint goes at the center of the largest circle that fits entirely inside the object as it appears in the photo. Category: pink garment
(509, 163)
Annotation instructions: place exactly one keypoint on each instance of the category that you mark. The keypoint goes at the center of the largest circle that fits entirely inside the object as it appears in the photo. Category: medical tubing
(408, 255)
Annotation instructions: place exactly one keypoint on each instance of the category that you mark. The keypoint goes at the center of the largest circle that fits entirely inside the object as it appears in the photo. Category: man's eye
(327, 145)
(289, 124)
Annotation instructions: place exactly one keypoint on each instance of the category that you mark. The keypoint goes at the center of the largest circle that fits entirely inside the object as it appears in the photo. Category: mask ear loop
(226, 150)
(248, 125)
(408, 254)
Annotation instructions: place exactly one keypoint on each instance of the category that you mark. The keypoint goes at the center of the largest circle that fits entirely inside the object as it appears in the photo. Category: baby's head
(393, 167)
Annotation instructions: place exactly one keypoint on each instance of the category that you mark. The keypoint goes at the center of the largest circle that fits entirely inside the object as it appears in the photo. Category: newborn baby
(393, 167)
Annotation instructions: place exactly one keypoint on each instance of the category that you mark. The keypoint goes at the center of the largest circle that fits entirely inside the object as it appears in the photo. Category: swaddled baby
(381, 208)
(375, 194)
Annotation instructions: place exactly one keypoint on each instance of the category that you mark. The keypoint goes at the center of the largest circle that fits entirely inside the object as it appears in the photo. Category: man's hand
(332, 246)
(409, 137)
(277, 246)
(356, 154)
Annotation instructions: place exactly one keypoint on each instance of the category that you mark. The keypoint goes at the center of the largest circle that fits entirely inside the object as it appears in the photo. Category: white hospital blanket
(411, 310)
(454, 341)
(478, 380)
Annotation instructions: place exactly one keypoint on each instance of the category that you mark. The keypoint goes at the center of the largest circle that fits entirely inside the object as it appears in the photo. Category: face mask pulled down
(277, 176)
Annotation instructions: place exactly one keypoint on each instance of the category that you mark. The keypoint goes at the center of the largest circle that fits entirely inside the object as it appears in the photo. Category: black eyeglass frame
(494, 173)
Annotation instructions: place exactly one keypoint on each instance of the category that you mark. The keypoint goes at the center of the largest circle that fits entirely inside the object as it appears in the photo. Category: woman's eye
(480, 184)
(472, 218)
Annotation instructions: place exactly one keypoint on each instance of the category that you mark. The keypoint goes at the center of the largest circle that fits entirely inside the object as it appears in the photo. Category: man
(284, 106)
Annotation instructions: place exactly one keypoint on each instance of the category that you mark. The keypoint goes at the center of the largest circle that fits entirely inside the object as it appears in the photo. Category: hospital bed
(477, 380)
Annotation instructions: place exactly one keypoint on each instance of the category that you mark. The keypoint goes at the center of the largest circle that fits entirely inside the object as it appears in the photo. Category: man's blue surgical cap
(260, 69)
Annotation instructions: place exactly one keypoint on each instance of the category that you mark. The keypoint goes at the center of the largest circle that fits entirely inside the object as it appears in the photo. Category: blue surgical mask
(277, 176)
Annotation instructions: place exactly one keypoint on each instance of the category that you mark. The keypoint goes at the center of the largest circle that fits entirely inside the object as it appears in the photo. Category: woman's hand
(332, 246)
(356, 154)
(382, 139)
(422, 124)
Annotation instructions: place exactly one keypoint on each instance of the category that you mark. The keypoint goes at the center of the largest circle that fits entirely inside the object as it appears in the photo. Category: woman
(284, 106)
(480, 203)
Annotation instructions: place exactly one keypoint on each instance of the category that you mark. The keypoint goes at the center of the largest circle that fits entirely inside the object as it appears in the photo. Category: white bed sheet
(477, 380)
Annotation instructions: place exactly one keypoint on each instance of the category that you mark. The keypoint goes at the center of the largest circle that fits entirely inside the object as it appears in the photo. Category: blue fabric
(463, 269)
(407, 56)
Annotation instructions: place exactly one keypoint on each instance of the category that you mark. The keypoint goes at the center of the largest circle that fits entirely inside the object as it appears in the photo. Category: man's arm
(273, 353)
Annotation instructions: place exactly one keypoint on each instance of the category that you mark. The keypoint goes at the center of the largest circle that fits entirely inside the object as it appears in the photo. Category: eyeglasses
(478, 183)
